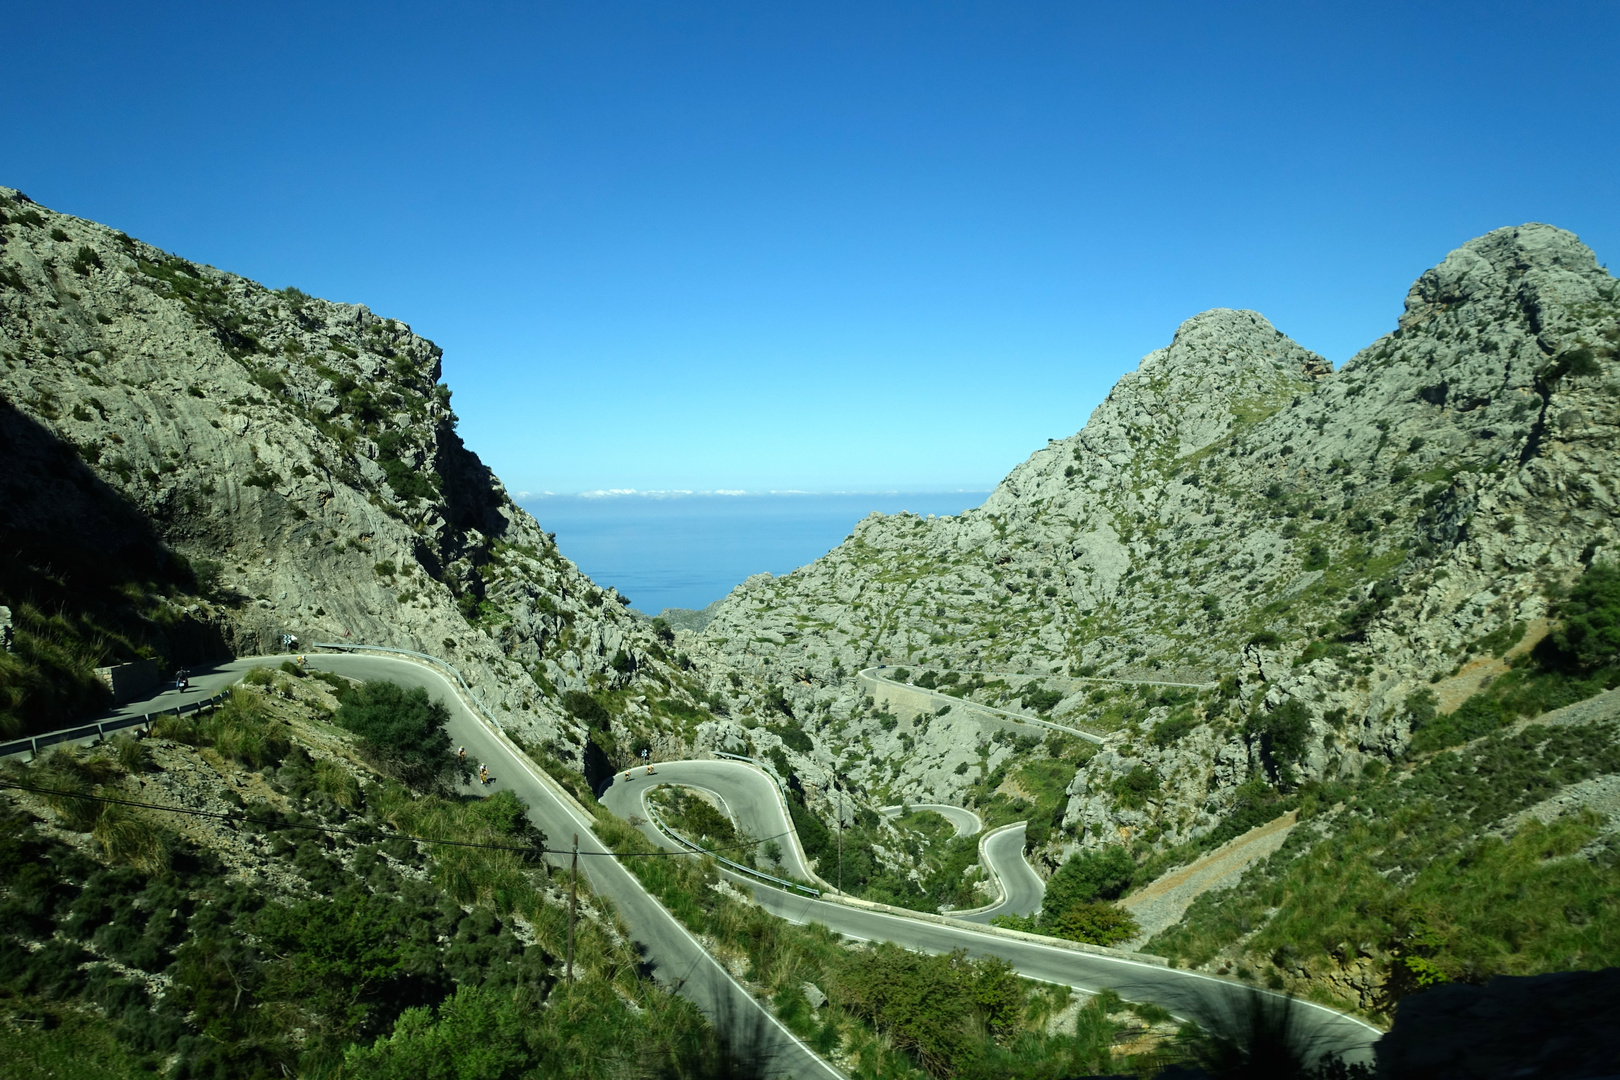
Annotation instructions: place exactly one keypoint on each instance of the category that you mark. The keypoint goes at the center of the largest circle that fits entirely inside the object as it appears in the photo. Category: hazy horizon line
(680, 493)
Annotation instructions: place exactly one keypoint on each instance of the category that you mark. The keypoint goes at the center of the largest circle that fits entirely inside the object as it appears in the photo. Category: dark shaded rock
(1564, 1025)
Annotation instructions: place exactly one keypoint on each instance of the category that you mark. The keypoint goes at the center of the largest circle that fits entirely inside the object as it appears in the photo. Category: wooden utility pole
(840, 789)
(573, 907)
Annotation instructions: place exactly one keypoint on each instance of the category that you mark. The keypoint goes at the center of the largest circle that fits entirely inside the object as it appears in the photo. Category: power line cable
(332, 830)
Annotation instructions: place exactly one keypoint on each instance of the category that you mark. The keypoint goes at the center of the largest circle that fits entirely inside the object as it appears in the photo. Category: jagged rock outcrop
(1329, 541)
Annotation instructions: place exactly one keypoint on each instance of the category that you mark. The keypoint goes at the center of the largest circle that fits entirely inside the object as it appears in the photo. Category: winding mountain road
(754, 802)
(1002, 852)
(677, 957)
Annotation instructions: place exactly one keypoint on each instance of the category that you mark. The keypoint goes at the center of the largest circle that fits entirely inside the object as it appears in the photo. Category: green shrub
(1172, 728)
(1256, 802)
(337, 783)
(243, 730)
(208, 574)
(1136, 788)
(271, 380)
(929, 1005)
(1579, 362)
(85, 260)
(1087, 877)
(587, 708)
(1590, 633)
(1283, 735)
(1094, 922)
(1480, 715)
(179, 728)
(794, 737)
(1500, 640)
(1421, 708)
(403, 730)
(125, 836)
(776, 701)
(1041, 700)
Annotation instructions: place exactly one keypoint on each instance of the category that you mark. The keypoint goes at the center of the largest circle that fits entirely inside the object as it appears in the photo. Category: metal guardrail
(755, 761)
(741, 868)
(100, 729)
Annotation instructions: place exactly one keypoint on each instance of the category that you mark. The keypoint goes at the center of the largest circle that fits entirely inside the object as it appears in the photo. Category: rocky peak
(1538, 269)
(1224, 367)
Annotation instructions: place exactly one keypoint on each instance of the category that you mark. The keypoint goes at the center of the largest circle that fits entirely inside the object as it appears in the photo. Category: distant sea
(687, 551)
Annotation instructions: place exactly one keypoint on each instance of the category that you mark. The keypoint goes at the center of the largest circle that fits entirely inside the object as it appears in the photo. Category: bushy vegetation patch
(1424, 873)
(1077, 905)
(402, 730)
(1580, 658)
(1283, 734)
(386, 959)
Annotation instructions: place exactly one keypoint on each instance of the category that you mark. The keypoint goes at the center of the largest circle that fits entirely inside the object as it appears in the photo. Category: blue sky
(815, 246)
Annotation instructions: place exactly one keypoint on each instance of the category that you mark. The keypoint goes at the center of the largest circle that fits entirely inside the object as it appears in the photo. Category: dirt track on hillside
(1162, 903)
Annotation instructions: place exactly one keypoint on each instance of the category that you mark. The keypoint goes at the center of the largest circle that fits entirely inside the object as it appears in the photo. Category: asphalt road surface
(678, 958)
(1022, 888)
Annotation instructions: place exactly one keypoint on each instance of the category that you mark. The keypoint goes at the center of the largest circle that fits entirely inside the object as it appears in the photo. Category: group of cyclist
(483, 770)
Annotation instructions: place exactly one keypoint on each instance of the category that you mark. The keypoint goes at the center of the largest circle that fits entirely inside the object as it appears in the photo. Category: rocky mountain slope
(1317, 550)
(198, 465)
(1248, 585)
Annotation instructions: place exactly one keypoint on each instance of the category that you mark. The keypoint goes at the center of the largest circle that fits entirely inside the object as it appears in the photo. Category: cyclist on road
(483, 774)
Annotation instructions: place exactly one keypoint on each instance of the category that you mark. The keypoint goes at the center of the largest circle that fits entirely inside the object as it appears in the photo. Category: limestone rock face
(1328, 542)
(302, 451)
